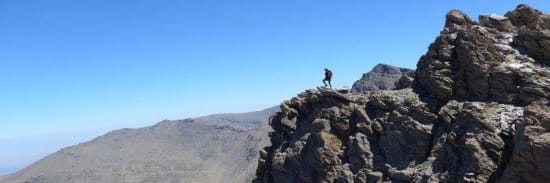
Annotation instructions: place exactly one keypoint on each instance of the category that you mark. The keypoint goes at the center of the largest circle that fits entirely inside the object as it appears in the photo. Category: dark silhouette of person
(328, 77)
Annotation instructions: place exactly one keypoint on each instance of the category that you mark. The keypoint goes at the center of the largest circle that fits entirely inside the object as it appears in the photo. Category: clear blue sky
(69, 65)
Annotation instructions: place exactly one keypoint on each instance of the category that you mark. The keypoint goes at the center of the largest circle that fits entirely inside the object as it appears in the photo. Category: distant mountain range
(5, 171)
(213, 148)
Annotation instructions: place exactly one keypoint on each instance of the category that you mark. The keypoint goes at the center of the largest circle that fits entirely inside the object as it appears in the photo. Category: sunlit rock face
(475, 110)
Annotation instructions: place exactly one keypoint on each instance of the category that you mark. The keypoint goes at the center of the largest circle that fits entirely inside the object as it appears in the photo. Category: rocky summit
(384, 77)
(477, 111)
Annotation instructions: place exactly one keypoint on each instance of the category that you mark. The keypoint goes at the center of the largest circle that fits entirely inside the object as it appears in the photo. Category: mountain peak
(381, 77)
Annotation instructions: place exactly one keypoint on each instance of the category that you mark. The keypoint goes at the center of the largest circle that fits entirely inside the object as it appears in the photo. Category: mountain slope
(381, 77)
(213, 148)
(478, 111)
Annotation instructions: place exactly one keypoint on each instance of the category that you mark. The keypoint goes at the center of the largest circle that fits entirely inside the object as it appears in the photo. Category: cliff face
(381, 77)
(477, 111)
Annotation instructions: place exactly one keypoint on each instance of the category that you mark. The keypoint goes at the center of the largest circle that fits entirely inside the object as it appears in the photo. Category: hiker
(328, 76)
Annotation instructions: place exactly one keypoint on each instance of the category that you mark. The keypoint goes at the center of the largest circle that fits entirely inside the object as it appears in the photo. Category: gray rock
(473, 143)
(381, 77)
(457, 17)
(486, 62)
(536, 44)
(477, 110)
(358, 152)
(526, 16)
(405, 81)
(325, 156)
(500, 23)
(530, 160)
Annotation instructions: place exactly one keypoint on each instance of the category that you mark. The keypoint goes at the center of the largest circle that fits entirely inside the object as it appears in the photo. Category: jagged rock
(406, 124)
(433, 74)
(405, 81)
(401, 175)
(476, 55)
(373, 177)
(469, 62)
(498, 22)
(477, 111)
(534, 33)
(334, 94)
(524, 15)
(535, 43)
(472, 144)
(337, 146)
(457, 17)
(381, 77)
(530, 158)
(345, 175)
(358, 151)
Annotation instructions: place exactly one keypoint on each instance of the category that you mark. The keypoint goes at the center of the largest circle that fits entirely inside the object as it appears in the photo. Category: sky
(72, 70)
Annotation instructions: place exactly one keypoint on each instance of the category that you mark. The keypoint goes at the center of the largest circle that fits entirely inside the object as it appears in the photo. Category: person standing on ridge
(328, 77)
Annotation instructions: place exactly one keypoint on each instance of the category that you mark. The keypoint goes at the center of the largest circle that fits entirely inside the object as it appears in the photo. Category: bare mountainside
(214, 148)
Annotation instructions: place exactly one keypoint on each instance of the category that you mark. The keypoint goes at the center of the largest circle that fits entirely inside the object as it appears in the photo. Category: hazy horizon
(73, 70)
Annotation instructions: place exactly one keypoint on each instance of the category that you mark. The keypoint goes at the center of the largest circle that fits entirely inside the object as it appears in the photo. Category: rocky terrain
(215, 148)
(477, 111)
(382, 77)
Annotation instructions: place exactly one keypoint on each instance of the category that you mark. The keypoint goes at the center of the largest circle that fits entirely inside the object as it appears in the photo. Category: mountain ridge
(381, 77)
(477, 110)
(193, 149)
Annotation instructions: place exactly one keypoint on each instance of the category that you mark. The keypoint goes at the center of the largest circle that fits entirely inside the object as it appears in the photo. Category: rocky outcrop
(387, 135)
(477, 110)
(382, 77)
(530, 161)
(501, 59)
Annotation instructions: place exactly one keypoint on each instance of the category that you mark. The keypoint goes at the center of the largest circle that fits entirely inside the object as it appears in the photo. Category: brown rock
(457, 17)
(530, 158)
(524, 15)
